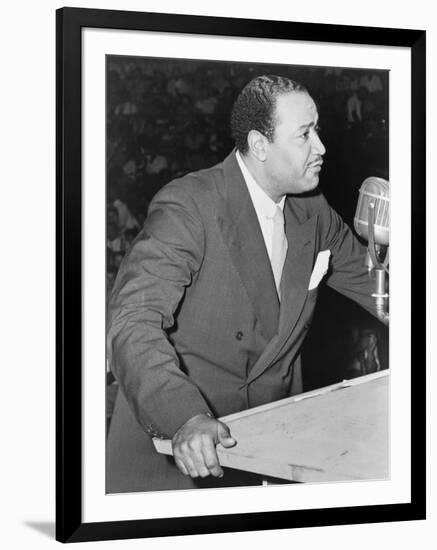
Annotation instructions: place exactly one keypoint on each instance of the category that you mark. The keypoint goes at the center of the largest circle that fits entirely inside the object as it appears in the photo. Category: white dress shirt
(264, 206)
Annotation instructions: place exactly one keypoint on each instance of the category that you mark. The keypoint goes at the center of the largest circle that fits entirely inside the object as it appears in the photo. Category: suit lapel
(243, 236)
(297, 268)
(294, 283)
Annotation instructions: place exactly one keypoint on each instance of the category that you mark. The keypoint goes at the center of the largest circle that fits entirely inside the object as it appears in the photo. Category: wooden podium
(340, 432)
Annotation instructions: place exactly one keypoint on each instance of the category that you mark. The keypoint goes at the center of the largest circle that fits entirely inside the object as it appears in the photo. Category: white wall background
(27, 307)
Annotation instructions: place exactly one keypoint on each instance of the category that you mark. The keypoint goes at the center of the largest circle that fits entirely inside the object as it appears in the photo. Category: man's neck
(255, 168)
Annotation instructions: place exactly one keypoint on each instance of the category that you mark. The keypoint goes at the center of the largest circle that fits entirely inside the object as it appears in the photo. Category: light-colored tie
(279, 247)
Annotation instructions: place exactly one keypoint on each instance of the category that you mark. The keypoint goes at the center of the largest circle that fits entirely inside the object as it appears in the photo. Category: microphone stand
(380, 270)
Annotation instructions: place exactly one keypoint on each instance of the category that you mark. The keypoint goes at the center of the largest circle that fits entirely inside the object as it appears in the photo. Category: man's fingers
(181, 466)
(194, 446)
(192, 470)
(187, 463)
(211, 459)
(224, 436)
(191, 456)
(196, 455)
(183, 459)
(227, 441)
(198, 458)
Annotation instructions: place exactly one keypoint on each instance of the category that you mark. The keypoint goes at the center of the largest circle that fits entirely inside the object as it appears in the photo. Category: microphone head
(376, 193)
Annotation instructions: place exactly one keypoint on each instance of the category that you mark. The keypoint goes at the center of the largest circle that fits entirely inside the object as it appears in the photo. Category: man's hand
(194, 446)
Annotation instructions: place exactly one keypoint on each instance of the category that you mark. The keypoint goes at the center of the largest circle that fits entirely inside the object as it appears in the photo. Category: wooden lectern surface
(340, 432)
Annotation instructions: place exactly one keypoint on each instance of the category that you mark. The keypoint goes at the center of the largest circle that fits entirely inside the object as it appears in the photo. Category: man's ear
(257, 145)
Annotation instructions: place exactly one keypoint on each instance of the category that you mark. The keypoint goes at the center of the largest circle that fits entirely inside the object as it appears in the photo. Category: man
(213, 301)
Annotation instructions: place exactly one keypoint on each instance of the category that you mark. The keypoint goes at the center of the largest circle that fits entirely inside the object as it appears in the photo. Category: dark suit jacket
(195, 321)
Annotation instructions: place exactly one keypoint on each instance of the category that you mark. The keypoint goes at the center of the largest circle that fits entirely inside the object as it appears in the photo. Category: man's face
(294, 158)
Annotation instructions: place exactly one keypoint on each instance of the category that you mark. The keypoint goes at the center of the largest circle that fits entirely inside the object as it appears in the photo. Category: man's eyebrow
(307, 125)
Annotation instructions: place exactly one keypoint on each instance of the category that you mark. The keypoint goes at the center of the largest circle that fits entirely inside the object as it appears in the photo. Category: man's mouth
(315, 165)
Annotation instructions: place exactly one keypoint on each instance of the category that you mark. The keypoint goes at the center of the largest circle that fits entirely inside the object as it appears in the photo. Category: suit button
(239, 335)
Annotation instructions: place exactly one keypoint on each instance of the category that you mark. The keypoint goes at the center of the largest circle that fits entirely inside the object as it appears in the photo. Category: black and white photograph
(247, 265)
(240, 298)
(218, 278)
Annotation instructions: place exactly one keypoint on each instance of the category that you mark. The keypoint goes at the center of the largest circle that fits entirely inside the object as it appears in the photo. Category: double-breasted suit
(195, 323)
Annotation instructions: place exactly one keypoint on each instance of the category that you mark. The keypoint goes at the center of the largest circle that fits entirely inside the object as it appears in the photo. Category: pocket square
(320, 268)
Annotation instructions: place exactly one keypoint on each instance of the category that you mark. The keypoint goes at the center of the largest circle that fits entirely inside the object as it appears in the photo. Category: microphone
(372, 223)
(374, 194)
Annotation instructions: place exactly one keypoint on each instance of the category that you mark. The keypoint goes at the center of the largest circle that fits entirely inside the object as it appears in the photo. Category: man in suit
(213, 301)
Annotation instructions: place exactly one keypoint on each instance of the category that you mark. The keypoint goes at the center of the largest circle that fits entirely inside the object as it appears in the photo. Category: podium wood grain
(340, 432)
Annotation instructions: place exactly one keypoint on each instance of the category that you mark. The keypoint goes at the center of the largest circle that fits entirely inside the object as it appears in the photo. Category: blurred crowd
(169, 117)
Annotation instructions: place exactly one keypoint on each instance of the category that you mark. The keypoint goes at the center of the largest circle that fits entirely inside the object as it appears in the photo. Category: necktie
(279, 247)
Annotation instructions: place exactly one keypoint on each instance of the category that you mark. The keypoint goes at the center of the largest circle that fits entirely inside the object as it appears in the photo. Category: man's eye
(307, 133)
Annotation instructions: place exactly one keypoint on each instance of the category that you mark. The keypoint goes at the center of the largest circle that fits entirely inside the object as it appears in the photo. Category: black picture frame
(69, 524)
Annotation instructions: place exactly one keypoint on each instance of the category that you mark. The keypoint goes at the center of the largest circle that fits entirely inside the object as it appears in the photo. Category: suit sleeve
(348, 273)
(149, 287)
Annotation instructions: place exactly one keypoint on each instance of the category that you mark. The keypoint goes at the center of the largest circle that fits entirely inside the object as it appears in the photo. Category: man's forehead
(296, 108)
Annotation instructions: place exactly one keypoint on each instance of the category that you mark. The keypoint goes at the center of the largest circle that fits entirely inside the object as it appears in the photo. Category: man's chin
(311, 184)
(305, 185)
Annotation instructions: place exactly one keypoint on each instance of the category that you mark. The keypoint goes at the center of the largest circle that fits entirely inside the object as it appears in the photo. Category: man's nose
(318, 145)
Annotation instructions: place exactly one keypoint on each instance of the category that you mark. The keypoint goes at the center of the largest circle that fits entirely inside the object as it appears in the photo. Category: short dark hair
(255, 106)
